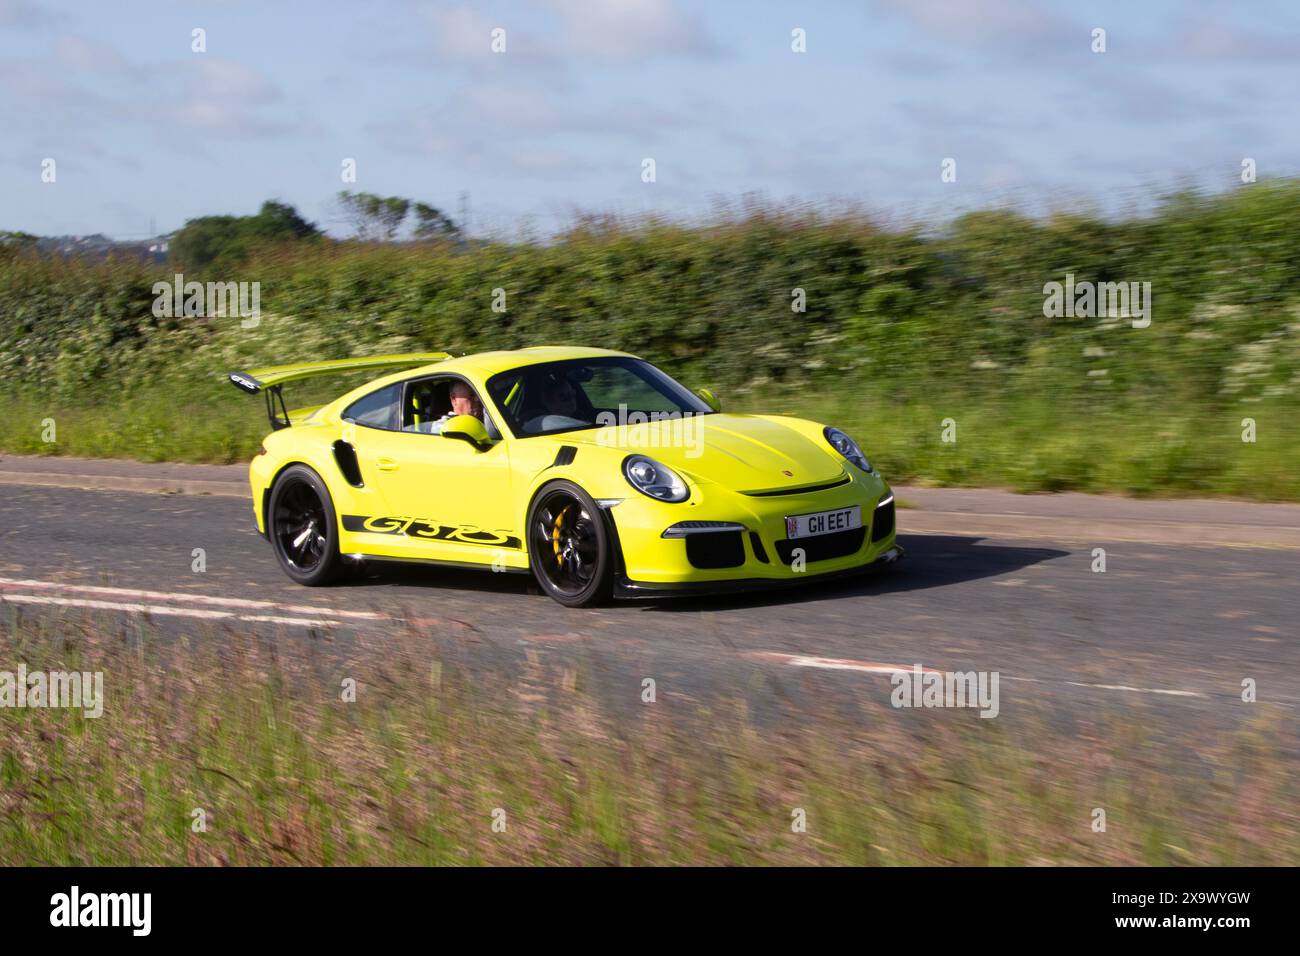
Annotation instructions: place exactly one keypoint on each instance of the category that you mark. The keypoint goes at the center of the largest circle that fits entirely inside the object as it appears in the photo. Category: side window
(427, 401)
(379, 409)
(506, 392)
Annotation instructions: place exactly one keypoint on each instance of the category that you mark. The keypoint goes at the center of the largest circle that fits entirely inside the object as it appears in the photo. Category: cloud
(935, 114)
(228, 98)
(78, 53)
(549, 162)
(24, 15)
(526, 117)
(463, 33)
(1140, 99)
(50, 103)
(219, 79)
(489, 128)
(425, 136)
(613, 31)
(627, 30)
(1201, 39)
(987, 23)
(94, 87)
(513, 107)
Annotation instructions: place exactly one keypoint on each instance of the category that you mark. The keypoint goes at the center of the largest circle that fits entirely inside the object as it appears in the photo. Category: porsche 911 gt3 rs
(591, 469)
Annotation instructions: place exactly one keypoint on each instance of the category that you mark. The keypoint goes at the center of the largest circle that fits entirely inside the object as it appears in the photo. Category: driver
(561, 397)
(559, 406)
(463, 402)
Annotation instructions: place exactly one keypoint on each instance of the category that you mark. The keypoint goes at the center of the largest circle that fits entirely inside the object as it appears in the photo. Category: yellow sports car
(590, 468)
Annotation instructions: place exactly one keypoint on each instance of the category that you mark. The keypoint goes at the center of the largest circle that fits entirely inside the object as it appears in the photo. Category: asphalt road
(1177, 627)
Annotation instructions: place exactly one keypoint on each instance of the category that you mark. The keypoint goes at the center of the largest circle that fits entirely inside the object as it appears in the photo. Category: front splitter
(626, 589)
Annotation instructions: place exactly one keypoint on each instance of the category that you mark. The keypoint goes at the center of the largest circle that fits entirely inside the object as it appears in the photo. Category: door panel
(441, 498)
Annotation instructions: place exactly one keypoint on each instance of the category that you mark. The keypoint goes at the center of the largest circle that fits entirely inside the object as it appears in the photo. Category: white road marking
(160, 610)
(838, 664)
(872, 667)
(115, 606)
(1139, 690)
(180, 596)
(299, 621)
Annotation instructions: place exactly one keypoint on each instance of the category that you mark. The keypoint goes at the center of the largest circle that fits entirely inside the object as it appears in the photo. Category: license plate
(823, 522)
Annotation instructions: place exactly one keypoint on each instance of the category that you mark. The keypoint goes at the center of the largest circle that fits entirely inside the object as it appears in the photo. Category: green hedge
(898, 315)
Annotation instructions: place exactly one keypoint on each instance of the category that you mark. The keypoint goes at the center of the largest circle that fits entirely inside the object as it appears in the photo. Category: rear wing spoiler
(270, 379)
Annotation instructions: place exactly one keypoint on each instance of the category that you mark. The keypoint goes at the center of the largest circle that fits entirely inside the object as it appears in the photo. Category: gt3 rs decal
(429, 530)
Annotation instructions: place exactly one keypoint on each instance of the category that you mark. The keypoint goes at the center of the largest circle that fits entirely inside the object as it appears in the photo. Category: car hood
(747, 453)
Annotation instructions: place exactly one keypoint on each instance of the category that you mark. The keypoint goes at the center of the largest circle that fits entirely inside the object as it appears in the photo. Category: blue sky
(143, 129)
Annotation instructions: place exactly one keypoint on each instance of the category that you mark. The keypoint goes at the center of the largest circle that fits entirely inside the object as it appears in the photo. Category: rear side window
(381, 409)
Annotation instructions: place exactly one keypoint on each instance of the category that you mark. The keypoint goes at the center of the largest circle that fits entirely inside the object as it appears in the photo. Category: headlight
(847, 447)
(653, 479)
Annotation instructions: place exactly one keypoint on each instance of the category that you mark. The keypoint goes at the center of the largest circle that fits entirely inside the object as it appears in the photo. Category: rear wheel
(569, 547)
(303, 529)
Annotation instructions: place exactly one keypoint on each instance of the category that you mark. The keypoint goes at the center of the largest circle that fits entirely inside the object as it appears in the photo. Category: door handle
(386, 464)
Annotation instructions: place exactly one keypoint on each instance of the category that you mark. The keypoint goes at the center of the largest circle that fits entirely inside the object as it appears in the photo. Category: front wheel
(302, 527)
(569, 547)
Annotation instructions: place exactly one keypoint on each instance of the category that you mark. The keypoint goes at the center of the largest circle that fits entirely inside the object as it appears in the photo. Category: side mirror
(467, 428)
(709, 399)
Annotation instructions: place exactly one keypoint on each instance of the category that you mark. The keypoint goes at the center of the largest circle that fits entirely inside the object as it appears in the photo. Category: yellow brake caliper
(555, 535)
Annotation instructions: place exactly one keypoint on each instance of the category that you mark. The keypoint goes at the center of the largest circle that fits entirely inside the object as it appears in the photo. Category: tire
(570, 548)
(303, 529)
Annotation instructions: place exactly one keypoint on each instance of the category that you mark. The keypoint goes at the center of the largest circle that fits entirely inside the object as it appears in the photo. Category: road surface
(1175, 625)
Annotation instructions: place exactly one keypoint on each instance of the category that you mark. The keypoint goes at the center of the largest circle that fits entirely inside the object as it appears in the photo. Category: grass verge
(1028, 443)
(412, 772)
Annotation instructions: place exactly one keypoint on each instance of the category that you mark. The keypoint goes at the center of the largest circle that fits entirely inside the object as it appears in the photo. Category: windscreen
(585, 393)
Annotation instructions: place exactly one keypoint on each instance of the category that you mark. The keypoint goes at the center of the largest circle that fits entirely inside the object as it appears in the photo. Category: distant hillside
(101, 247)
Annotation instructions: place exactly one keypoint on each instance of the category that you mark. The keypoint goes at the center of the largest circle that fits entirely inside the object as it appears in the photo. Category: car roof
(484, 365)
(490, 363)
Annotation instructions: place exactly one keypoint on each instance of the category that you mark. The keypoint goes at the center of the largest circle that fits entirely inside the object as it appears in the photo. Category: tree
(15, 240)
(277, 220)
(226, 241)
(375, 217)
(431, 223)
(381, 217)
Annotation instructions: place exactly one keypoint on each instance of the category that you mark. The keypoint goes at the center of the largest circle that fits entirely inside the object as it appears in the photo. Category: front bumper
(668, 548)
(628, 590)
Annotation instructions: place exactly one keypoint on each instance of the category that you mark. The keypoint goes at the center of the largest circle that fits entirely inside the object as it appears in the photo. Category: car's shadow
(933, 561)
